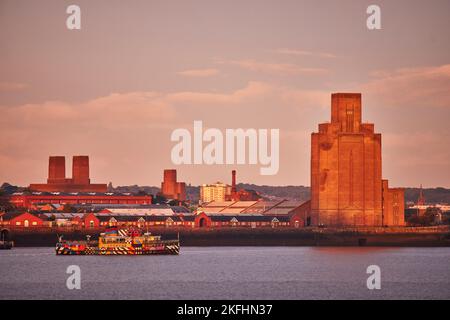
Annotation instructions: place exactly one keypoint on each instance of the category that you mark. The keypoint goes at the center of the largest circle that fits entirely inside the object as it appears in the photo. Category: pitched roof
(136, 218)
(11, 215)
(247, 218)
(43, 193)
(167, 211)
(280, 207)
(63, 215)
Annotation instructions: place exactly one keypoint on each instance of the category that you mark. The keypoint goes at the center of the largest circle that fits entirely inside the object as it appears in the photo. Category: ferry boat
(6, 245)
(116, 241)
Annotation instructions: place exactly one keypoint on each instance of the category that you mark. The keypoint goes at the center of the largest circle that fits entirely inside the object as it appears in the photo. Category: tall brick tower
(346, 181)
(56, 169)
(169, 183)
(172, 189)
(80, 170)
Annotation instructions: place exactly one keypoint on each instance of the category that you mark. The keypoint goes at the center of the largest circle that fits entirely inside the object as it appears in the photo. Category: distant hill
(279, 192)
(432, 195)
(7, 188)
(135, 189)
(302, 193)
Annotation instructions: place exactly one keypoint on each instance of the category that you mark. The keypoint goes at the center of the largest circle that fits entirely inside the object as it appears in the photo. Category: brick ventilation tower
(56, 170)
(57, 181)
(80, 170)
(170, 188)
(346, 183)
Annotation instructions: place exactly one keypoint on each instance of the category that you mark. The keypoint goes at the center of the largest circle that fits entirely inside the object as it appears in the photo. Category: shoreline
(209, 237)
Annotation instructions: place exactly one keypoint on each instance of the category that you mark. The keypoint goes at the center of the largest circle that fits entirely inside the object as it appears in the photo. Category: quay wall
(404, 237)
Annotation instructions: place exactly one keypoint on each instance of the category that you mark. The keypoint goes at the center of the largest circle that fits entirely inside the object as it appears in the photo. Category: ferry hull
(162, 249)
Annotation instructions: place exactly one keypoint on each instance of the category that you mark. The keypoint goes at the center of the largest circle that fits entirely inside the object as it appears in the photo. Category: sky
(137, 70)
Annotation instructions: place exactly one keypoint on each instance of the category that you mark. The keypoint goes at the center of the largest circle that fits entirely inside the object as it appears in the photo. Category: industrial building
(294, 212)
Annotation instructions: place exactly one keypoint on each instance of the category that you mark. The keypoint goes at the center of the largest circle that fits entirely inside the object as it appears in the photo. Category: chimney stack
(233, 182)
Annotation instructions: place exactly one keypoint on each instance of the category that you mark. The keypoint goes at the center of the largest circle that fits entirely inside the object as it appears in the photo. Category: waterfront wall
(431, 236)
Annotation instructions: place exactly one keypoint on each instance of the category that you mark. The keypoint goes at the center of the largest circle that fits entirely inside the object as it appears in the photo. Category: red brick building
(217, 220)
(147, 221)
(246, 195)
(393, 205)
(90, 220)
(30, 199)
(243, 194)
(21, 220)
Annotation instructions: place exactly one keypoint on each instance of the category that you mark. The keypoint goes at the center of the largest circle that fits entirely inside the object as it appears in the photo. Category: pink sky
(137, 70)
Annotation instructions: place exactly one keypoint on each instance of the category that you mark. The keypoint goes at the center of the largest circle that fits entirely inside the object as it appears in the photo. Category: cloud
(252, 90)
(151, 109)
(12, 86)
(127, 135)
(277, 69)
(296, 52)
(117, 110)
(407, 87)
(128, 110)
(199, 73)
(307, 98)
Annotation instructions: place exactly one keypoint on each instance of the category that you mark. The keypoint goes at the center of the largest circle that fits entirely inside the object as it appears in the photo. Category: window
(349, 120)
(34, 223)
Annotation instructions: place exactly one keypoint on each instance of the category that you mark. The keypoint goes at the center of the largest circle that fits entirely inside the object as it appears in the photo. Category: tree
(429, 218)
(110, 187)
(158, 199)
(432, 215)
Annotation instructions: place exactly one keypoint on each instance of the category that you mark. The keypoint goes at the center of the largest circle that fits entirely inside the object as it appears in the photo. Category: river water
(230, 273)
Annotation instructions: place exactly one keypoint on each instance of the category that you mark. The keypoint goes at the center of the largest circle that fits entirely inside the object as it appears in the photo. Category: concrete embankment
(403, 237)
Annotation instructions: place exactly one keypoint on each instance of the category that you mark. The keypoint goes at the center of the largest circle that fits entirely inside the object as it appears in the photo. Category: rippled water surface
(230, 273)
